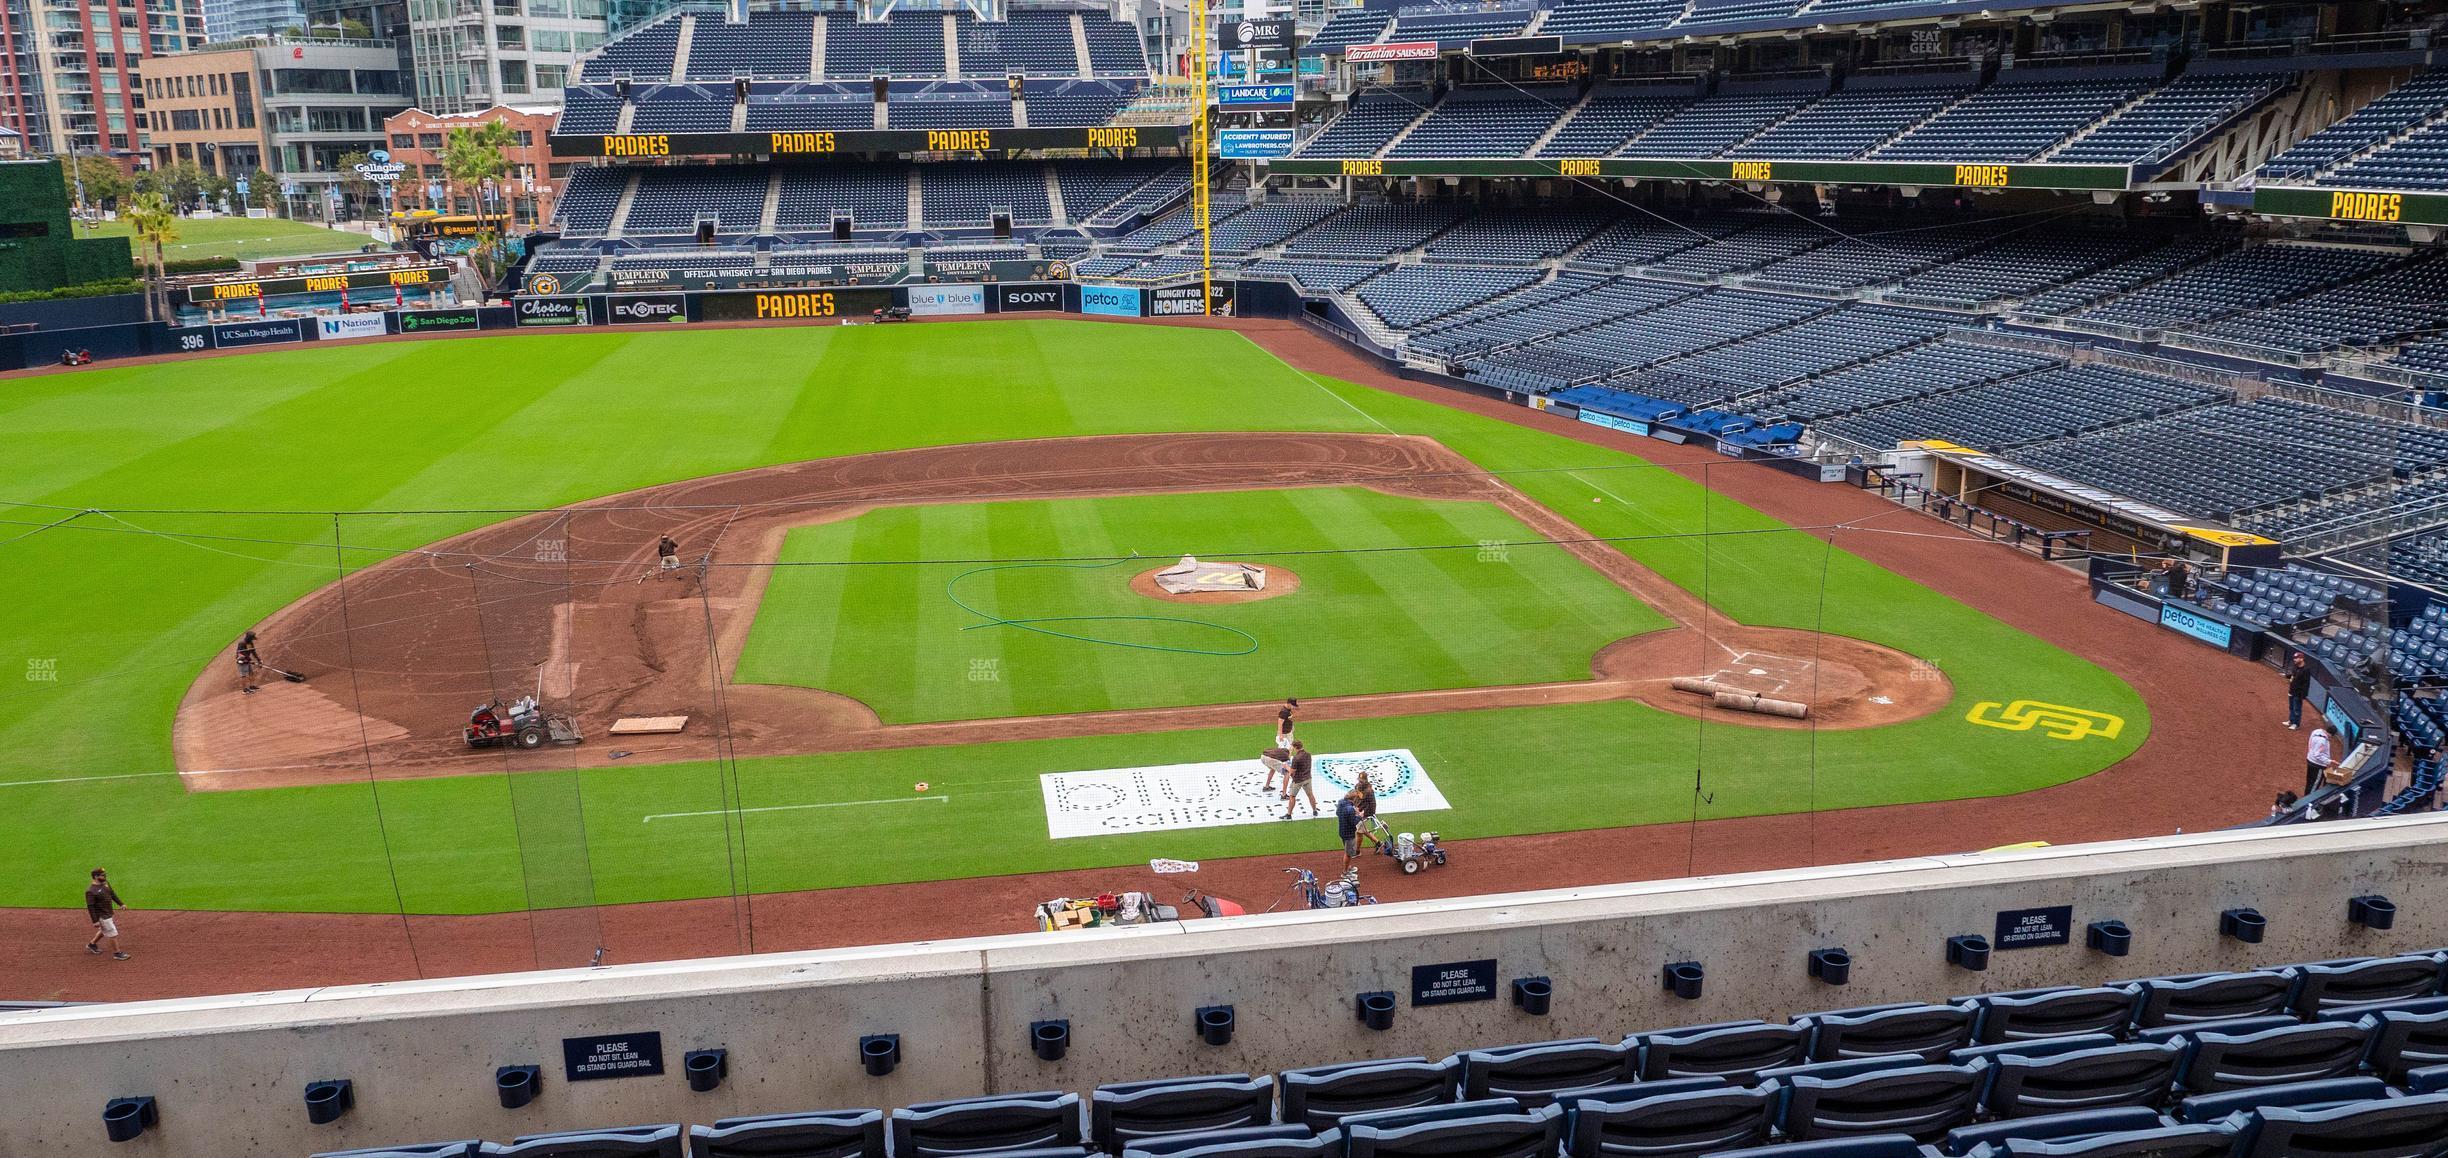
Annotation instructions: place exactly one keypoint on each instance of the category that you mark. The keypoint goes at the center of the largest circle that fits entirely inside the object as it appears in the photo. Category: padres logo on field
(2058, 721)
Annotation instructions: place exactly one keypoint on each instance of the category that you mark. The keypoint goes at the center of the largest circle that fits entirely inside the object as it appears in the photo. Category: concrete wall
(229, 1071)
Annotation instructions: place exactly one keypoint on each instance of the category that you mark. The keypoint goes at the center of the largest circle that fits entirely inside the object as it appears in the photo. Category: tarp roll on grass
(952, 592)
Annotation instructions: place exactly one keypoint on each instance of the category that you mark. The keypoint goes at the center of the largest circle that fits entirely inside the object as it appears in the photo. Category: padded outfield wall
(229, 1072)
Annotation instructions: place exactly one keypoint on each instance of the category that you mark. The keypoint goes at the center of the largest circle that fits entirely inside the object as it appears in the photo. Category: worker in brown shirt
(101, 901)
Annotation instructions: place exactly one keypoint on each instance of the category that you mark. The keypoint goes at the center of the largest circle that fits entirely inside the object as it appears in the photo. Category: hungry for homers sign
(1221, 793)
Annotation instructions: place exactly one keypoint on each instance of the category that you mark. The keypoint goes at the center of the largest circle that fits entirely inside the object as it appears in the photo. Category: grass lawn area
(242, 237)
(893, 637)
(111, 615)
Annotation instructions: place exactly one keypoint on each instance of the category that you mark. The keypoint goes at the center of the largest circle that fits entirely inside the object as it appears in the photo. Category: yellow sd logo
(2058, 720)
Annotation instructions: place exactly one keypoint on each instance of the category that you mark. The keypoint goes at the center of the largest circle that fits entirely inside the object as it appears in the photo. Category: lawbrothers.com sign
(938, 300)
(1222, 793)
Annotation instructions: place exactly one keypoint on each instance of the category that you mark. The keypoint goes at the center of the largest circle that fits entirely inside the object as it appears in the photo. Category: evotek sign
(1399, 50)
(1271, 32)
(643, 308)
(567, 311)
(1024, 298)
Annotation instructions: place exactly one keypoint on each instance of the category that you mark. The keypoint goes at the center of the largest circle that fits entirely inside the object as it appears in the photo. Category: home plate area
(1222, 792)
(1766, 674)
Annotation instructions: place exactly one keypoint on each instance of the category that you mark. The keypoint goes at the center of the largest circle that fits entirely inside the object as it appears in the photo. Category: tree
(181, 184)
(353, 184)
(262, 188)
(105, 184)
(155, 225)
(474, 154)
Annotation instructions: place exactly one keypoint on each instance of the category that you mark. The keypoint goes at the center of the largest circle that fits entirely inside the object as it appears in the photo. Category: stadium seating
(1711, 125)
(2343, 1063)
(872, 196)
(673, 200)
(2409, 106)
(1368, 121)
(1612, 114)
(2020, 117)
(1409, 295)
(1847, 124)
(2173, 115)
(2219, 460)
(957, 196)
(2002, 415)
(1487, 121)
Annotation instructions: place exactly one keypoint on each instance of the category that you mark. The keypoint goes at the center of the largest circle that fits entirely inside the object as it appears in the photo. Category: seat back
(2053, 1013)
(1121, 1114)
(2406, 1041)
(1250, 1142)
(627, 1142)
(1876, 1146)
(1736, 1050)
(1929, 1031)
(2195, 1141)
(1923, 1102)
(828, 1134)
(412, 1150)
(1494, 1128)
(2416, 1125)
(2055, 1127)
(971, 1125)
(1670, 1125)
(2292, 1053)
(2334, 1092)
(2217, 997)
(1535, 1074)
(2131, 1074)
(2366, 982)
(1318, 1097)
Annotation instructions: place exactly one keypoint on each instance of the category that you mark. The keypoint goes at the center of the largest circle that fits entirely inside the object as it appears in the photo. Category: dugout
(1964, 477)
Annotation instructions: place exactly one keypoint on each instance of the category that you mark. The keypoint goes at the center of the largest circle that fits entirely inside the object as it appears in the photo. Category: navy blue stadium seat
(2398, 1126)
(2189, 1141)
(1249, 1142)
(2402, 1042)
(1537, 1072)
(1668, 1119)
(1121, 1114)
(1320, 1096)
(2217, 997)
(413, 1150)
(2054, 1127)
(1922, 1101)
(2036, 1047)
(1489, 1128)
(2184, 1032)
(1876, 1146)
(1930, 1031)
(626, 1142)
(2292, 1053)
(2129, 1074)
(996, 1122)
(2371, 981)
(2333, 1092)
(2054, 1013)
(1735, 1049)
(824, 1134)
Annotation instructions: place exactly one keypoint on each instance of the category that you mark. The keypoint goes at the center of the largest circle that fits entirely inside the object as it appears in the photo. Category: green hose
(1250, 642)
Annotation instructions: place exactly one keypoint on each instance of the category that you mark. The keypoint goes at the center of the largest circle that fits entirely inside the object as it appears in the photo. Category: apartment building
(69, 69)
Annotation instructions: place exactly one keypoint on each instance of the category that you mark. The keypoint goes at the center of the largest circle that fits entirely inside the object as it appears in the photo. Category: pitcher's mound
(1279, 582)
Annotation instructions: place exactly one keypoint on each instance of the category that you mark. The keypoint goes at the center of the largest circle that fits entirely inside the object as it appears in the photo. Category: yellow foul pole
(1199, 151)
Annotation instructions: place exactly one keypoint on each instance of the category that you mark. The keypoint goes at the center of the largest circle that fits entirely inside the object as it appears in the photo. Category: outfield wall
(228, 1072)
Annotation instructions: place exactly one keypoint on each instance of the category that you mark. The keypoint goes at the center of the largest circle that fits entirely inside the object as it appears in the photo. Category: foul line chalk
(796, 807)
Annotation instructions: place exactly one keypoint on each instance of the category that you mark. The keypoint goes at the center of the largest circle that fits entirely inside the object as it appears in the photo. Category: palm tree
(150, 216)
(472, 155)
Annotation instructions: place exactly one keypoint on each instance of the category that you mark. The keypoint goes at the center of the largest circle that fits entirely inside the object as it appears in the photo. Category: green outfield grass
(895, 639)
(239, 237)
(109, 617)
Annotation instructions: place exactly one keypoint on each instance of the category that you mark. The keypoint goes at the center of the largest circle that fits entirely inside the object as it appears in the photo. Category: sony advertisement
(1027, 297)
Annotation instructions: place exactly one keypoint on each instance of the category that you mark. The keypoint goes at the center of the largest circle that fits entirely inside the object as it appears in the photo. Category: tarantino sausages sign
(412, 275)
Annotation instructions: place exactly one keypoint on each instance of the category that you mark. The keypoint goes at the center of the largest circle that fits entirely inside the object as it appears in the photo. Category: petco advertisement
(1027, 297)
(643, 309)
(331, 326)
(1223, 792)
(927, 301)
(1110, 300)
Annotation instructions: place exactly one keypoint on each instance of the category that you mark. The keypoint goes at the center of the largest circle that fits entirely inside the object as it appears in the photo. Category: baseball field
(914, 587)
